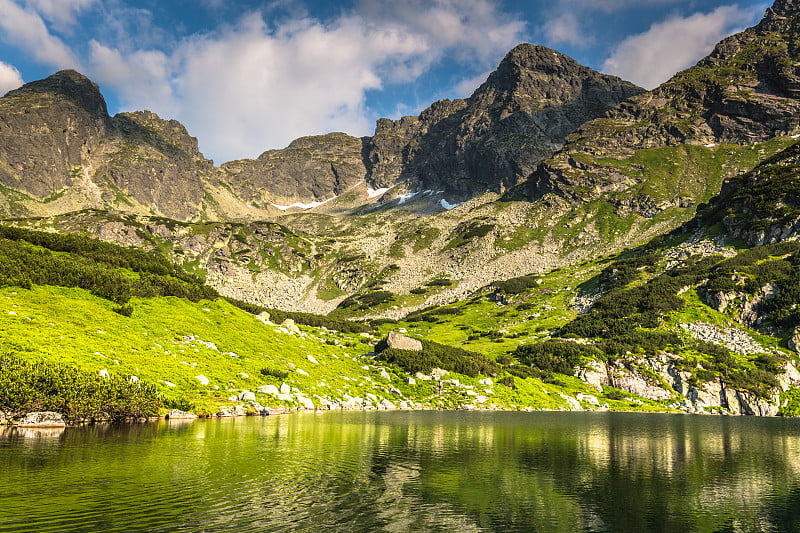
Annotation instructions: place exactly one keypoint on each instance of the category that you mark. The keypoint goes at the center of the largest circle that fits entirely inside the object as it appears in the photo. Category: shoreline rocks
(42, 419)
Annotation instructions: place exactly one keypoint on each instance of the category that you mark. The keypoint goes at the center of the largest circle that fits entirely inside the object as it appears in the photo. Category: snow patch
(710, 145)
(310, 205)
(447, 205)
(404, 197)
(372, 193)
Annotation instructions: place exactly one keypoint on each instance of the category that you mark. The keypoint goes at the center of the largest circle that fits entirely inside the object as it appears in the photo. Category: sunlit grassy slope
(172, 340)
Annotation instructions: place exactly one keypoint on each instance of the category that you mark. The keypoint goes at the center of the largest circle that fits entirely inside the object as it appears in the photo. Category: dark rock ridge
(745, 91)
(519, 116)
(313, 168)
(56, 135)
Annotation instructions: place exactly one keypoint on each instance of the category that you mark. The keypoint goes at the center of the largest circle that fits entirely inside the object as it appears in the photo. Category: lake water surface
(407, 471)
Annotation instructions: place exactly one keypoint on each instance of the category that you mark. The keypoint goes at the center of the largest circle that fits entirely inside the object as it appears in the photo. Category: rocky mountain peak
(784, 8)
(519, 116)
(69, 85)
(528, 58)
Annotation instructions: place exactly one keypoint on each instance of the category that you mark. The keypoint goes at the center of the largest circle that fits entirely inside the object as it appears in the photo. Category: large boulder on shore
(43, 419)
(401, 342)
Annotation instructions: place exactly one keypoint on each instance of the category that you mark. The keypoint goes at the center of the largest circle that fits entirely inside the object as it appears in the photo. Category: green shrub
(555, 356)
(614, 394)
(517, 285)
(124, 310)
(27, 386)
(271, 372)
(434, 355)
(507, 381)
(181, 404)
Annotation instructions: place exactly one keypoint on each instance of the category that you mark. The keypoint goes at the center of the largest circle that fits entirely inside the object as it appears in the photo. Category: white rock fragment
(202, 379)
(269, 389)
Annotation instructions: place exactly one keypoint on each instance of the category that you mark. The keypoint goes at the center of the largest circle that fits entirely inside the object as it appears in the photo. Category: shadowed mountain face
(57, 135)
(519, 116)
(746, 91)
(59, 146)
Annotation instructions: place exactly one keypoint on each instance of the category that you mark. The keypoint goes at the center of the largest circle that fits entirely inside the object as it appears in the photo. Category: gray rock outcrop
(177, 414)
(401, 342)
(794, 341)
(42, 419)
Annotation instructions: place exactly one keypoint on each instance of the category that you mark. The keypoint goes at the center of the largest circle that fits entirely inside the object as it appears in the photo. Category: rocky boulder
(269, 389)
(794, 341)
(401, 342)
(42, 419)
(177, 414)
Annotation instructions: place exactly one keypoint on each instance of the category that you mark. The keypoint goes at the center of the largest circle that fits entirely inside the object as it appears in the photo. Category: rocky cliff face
(155, 163)
(745, 91)
(518, 117)
(47, 129)
(57, 142)
(310, 169)
(61, 151)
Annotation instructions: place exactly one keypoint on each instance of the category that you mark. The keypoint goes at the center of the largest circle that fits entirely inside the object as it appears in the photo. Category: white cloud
(10, 78)
(473, 29)
(141, 77)
(650, 58)
(61, 13)
(565, 29)
(249, 87)
(609, 6)
(25, 29)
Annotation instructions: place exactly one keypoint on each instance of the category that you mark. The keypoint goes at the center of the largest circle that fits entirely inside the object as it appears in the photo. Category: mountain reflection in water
(407, 471)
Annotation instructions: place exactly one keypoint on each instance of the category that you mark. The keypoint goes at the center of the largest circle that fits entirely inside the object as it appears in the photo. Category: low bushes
(555, 356)
(434, 355)
(27, 386)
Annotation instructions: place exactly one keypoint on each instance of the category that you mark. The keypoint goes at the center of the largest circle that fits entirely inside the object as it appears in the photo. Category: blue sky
(252, 75)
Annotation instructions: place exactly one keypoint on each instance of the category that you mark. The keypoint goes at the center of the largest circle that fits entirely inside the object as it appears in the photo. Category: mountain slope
(60, 151)
(519, 116)
(744, 92)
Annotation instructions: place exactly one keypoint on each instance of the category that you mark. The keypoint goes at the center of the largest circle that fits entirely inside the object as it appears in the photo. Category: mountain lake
(407, 471)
